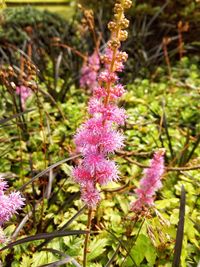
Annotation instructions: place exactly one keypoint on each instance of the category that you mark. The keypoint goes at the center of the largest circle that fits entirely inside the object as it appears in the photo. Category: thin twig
(187, 168)
(87, 237)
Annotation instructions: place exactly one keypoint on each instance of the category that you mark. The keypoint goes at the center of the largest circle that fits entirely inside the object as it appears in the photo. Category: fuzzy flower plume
(24, 92)
(98, 137)
(89, 71)
(150, 183)
(9, 203)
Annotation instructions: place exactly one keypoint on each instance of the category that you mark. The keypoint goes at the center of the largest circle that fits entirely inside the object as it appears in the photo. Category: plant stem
(87, 237)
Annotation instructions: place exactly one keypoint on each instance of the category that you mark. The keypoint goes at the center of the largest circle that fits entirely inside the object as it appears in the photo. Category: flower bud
(113, 44)
(124, 23)
(123, 35)
(118, 8)
(127, 4)
(112, 25)
(122, 56)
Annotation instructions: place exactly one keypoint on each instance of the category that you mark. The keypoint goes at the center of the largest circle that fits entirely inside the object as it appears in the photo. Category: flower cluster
(98, 136)
(150, 183)
(9, 203)
(89, 71)
(24, 92)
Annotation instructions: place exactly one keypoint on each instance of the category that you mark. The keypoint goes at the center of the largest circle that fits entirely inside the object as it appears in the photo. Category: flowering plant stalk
(98, 136)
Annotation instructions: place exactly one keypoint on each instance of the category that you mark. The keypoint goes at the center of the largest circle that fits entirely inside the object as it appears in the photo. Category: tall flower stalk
(98, 136)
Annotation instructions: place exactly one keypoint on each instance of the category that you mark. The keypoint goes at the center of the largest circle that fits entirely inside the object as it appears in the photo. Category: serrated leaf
(97, 247)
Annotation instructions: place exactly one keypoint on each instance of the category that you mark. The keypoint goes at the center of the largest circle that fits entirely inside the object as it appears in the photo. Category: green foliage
(48, 139)
(43, 33)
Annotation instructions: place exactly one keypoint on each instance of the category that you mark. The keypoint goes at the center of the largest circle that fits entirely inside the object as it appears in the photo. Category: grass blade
(180, 230)
(48, 169)
(2, 121)
(113, 256)
(43, 236)
(67, 259)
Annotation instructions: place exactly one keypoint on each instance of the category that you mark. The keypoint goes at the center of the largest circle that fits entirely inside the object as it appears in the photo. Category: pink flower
(9, 203)
(119, 60)
(24, 92)
(81, 174)
(110, 112)
(90, 194)
(150, 183)
(89, 71)
(108, 77)
(107, 172)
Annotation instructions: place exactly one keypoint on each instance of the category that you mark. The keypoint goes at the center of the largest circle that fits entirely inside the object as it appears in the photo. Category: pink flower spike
(150, 182)
(98, 137)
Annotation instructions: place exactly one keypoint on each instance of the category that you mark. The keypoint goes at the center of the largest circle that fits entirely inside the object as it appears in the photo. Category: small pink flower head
(90, 195)
(99, 92)
(9, 203)
(120, 58)
(107, 172)
(81, 174)
(109, 113)
(89, 72)
(114, 114)
(108, 77)
(93, 161)
(24, 92)
(150, 183)
(117, 91)
(16, 201)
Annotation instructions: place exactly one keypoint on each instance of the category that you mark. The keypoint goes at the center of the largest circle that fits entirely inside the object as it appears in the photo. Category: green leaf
(97, 247)
(143, 249)
(26, 261)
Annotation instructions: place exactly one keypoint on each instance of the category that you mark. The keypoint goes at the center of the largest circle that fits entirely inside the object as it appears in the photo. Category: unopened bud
(124, 23)
(112, 25)
(118, 8)
(127, 4)
(123, 35)
(122, 56)
(113, 44)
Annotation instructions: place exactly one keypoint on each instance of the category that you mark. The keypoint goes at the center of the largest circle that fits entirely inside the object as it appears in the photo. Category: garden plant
(100, 156)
